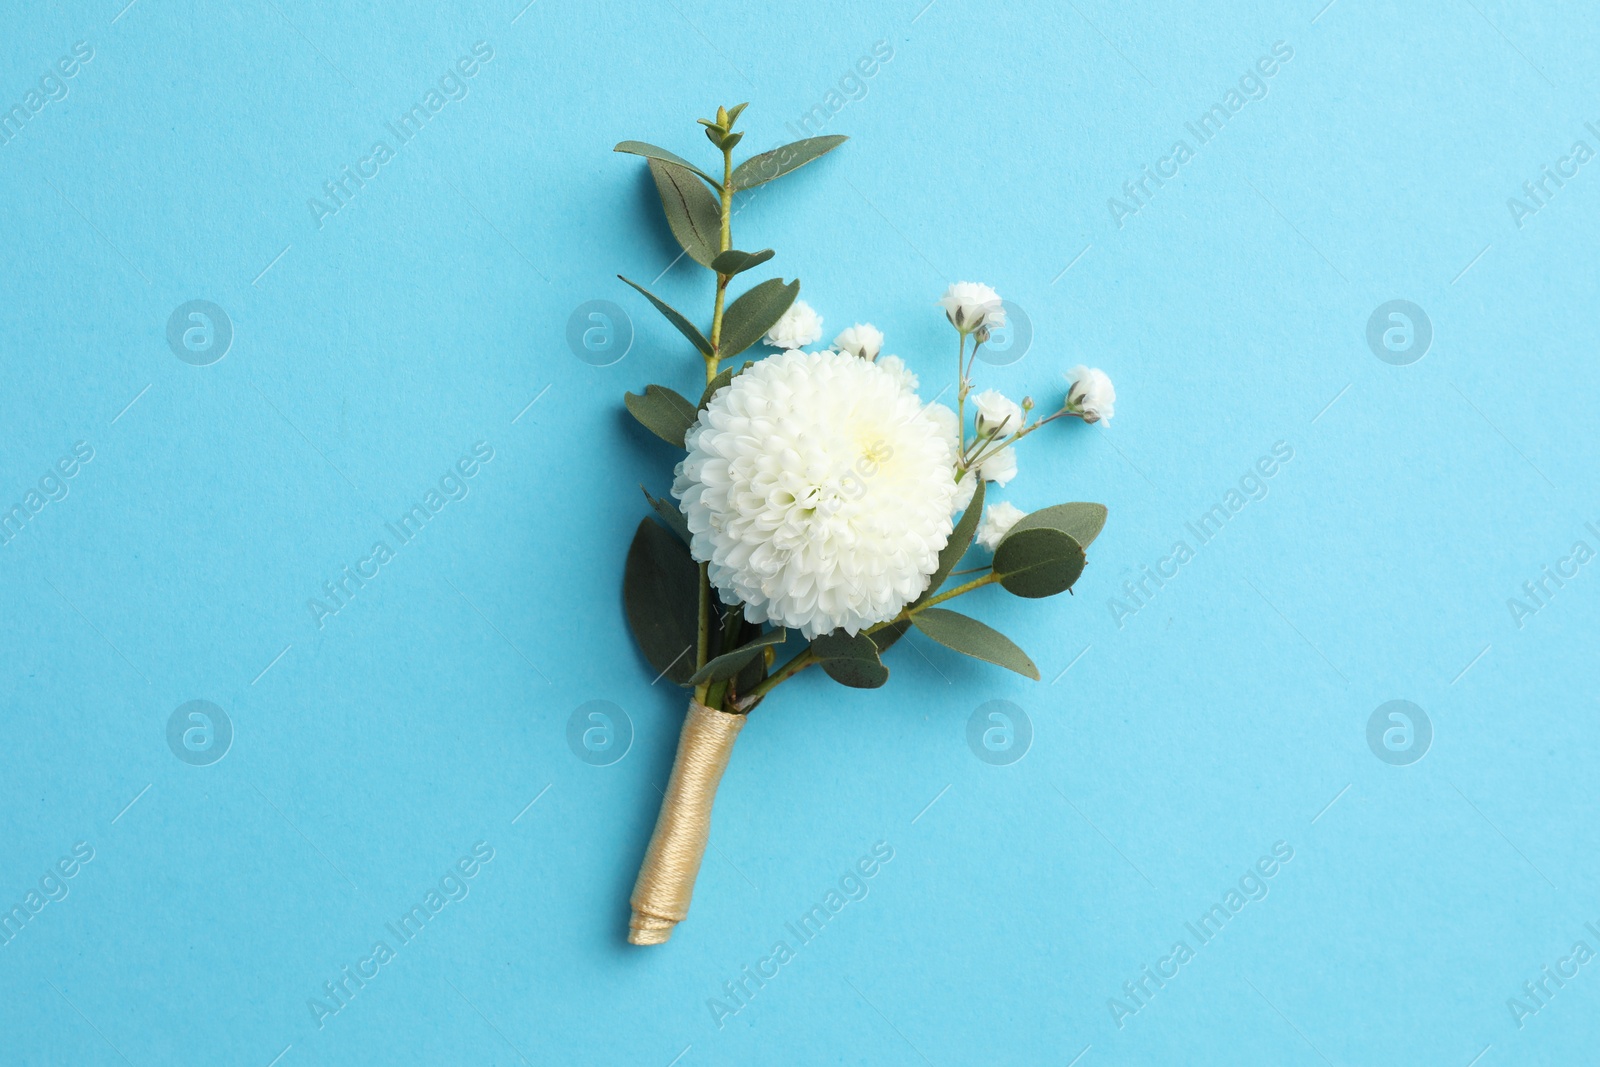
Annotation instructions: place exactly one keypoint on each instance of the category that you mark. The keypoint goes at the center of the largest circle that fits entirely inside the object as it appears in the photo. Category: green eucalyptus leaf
(887, 636)
(735, 111)
(692, 212)
(960, 541)
(663, 412)
(857, 673)
(735, 262)
(1081, 522)
(650, 151)
(752, 675)
(674, 316)
(722, 378)
(755, 312)
(973, 638)
(729, 664)
(661, 592)
(1039, 562)
(758, 170)
(754, 672)
(735, 632)
(669, 513)
(851, 661)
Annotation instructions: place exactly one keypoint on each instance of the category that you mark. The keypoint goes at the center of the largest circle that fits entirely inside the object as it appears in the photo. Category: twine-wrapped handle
(666, 879)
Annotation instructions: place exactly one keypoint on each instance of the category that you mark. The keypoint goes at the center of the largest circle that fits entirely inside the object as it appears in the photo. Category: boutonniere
(820, 507)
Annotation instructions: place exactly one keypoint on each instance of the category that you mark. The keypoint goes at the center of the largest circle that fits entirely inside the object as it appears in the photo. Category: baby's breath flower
(999, 467)
(798, 327)
(998, 415)
(971, 306)
(997, 522)
(863, 339)
(1091, 394)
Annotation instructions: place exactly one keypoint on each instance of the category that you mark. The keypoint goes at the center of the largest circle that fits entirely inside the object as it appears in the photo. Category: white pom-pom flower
(796, 328)
(997, 522)
(818, 490)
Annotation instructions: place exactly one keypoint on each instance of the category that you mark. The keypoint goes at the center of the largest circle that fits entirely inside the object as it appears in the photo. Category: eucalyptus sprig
(699, 212)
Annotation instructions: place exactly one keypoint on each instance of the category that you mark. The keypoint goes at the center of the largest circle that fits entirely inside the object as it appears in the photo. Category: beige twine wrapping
(666, 879)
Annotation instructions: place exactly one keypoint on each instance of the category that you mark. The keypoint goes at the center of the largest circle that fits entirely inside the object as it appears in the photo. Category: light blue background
(1227, 714)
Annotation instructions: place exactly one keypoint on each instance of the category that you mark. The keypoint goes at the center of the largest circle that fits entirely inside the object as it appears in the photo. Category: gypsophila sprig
(821, 506)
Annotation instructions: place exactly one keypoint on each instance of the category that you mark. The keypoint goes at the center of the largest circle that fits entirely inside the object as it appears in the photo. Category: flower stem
(805, 659)
(961, 393)
(799, 663)
(713, 363)
(983, 451)
(703, 637)
(725, 242)
(948, 594)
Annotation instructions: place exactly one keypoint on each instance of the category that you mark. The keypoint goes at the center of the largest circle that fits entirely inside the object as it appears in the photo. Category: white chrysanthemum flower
(863, 339)
(997, 522)
(1000, 467)
(796, 328)
(818, 489)
(998, 414)
(970, 305)
(1091, 393)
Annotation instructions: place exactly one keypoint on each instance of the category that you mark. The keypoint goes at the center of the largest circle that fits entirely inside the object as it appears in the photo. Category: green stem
(984, 451)
(725, 242)
(706, 691)
(799, 663)
(948, 594)
(961, 393)
(805, 659)
(732, 620)
(703, 638)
